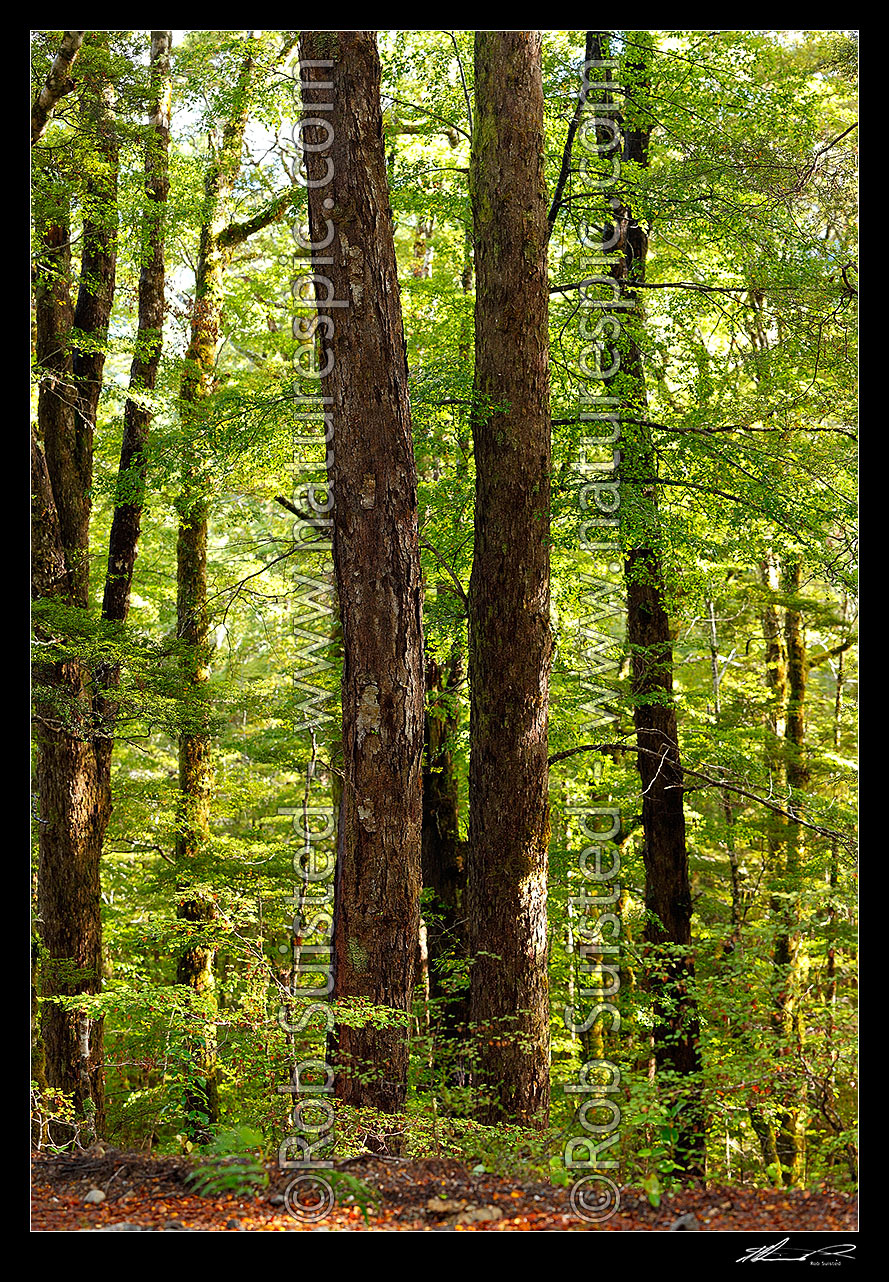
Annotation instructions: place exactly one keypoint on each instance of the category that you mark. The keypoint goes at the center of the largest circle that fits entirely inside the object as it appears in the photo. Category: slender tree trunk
(377, 566)
(444, 870)
(667, 886)
(727, 808)
(509, 633)
(126, 523)
(790, 1136)
(196, 905)
(776, 721)
(218, 240)
(827, 1087)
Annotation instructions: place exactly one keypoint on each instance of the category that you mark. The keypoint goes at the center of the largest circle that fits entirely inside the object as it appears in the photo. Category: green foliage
(234, 1164)
(350, 1190)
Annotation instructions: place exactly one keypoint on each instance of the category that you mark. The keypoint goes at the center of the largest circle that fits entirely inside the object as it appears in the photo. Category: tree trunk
(790, 1136)
(509, 634)
(125, 527)
(218, 240)
(376, 562)
(737, 909)
(775, 725)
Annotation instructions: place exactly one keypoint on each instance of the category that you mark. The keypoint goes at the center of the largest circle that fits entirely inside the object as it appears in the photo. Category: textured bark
(54, 468)
(509, 634)
(98, 270)
(57, 83)
(377, 566)
(74, 808)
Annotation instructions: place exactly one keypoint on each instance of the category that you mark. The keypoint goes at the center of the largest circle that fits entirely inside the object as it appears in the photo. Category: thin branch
(569, 141)
(462, 78)
(461, 591)
(827, 146)
(432, 115)
(699, 431)
(291, 507)
(613, 749)
(673, 284)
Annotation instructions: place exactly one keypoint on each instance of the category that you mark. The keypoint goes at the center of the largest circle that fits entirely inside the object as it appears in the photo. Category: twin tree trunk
(74, 806)
(509, 632)
(376, 562)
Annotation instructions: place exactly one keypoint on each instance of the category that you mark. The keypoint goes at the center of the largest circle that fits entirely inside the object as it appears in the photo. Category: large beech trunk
(509, 632)
(377, 566)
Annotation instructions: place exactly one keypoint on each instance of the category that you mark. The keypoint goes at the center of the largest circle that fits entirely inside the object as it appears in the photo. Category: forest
(444, 617)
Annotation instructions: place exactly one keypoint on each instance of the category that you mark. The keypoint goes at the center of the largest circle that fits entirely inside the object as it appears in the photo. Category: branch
(291, 507)
(136, 846)
(675, 284)
(57, 83)
(569, 141)
(462, 78)
(236, 233)
(830, 654)
(612, 749)
(461, 591)
(850, 288)
(432, 115)
(827, 146)
(695, 431)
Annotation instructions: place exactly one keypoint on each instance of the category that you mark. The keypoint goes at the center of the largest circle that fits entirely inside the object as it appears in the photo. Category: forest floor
(145, 1194)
